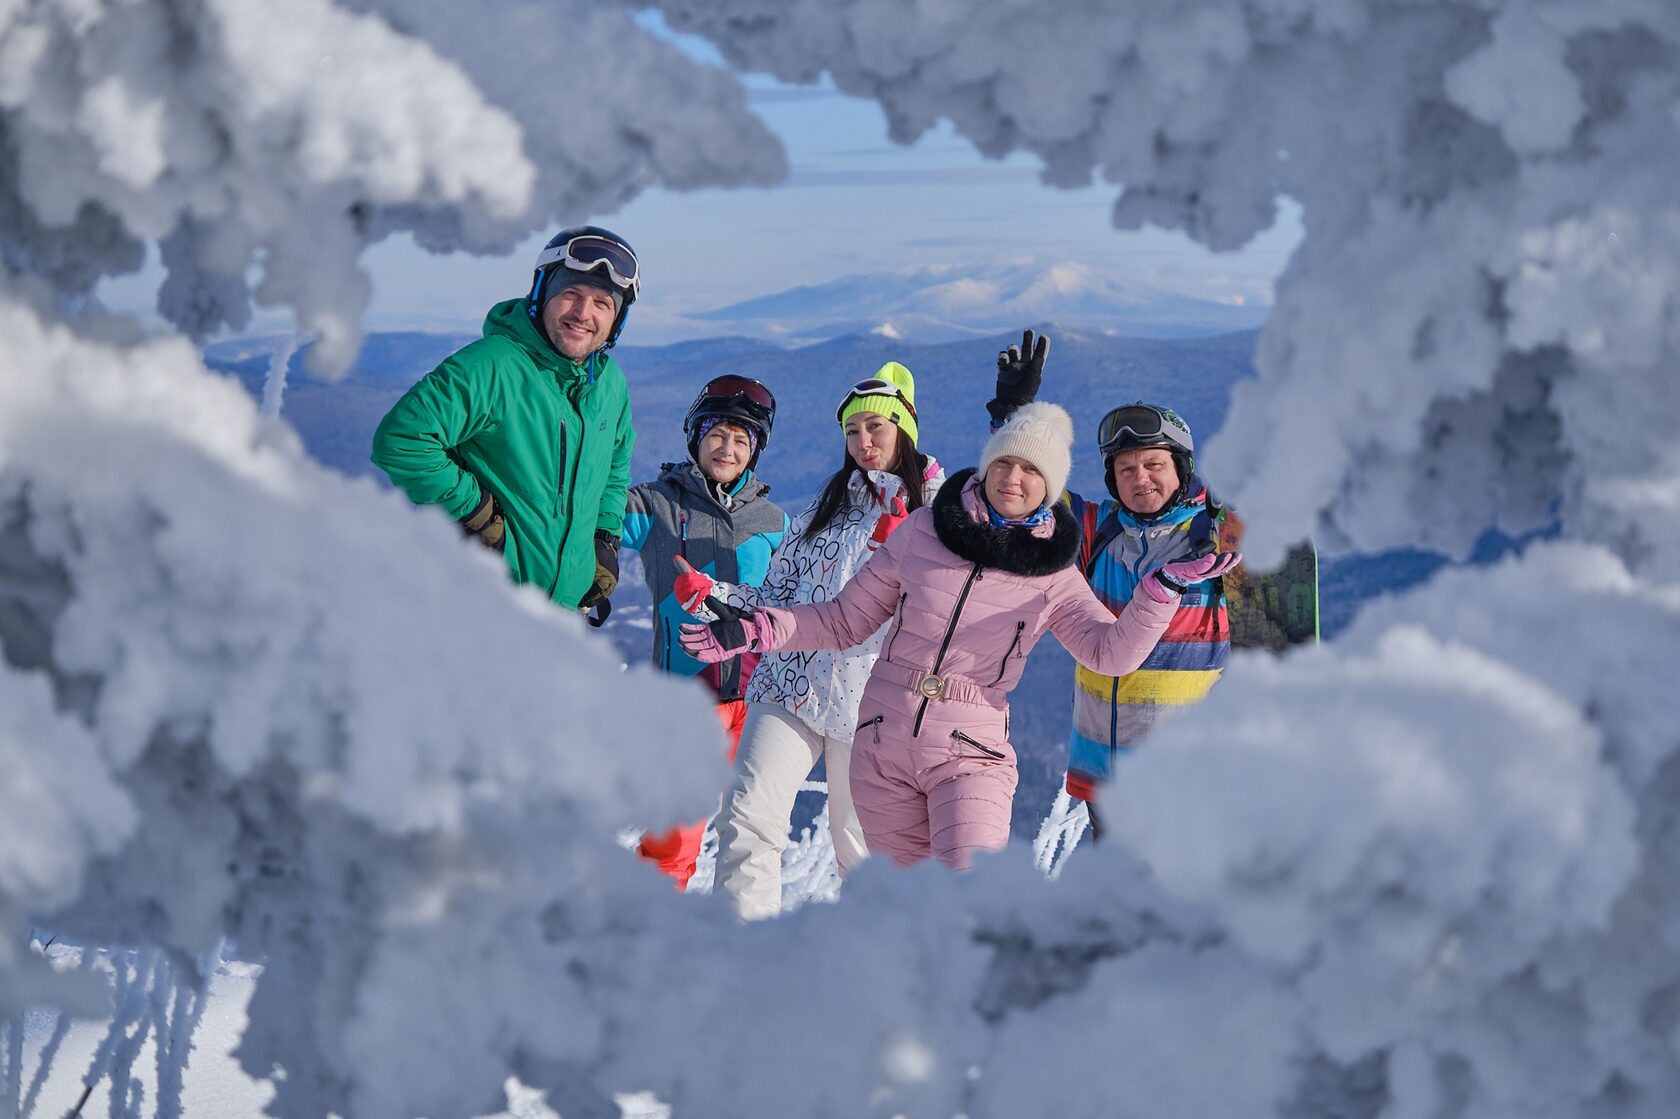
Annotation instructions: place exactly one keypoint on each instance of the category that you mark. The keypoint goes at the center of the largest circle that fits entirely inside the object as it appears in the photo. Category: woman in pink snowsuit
(971, 583)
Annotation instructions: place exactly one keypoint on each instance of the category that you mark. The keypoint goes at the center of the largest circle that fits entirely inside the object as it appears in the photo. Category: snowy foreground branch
(278, 141)
(1428, 871)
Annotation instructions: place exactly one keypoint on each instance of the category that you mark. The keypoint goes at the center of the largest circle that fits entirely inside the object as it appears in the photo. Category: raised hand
(1168, 581)
(1019, 371)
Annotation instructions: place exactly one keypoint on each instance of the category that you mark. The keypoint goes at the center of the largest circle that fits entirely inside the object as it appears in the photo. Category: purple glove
(712, 642)
(1168, 581)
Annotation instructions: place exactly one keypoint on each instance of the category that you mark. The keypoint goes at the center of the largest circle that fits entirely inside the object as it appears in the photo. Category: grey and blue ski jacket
(729, 535)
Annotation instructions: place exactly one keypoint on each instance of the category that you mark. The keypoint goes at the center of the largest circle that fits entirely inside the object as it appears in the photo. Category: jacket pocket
(978, 745)
(1020, 627)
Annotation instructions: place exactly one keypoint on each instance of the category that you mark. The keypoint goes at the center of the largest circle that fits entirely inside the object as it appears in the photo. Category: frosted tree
(1427, 871)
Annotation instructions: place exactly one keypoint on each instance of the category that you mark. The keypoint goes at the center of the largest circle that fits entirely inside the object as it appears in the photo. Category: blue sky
(854, 202)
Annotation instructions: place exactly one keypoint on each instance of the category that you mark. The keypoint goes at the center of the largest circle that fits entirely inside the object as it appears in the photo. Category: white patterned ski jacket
(822, 687)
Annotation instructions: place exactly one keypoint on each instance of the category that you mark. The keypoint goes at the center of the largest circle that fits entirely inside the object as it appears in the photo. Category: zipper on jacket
(566, 490)
(875, 724)
(950, 631)
(1004, 667)
(1114, 715)
(977, 744)
(886, 654)
(565, 507)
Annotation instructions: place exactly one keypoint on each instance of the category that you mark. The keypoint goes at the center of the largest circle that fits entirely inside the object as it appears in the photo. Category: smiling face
(1014, 487)
(872, 441)
(578, 320)
(724, 452)
(1146, 479)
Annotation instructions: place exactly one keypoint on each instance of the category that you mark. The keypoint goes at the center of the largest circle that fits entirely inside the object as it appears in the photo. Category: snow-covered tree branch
(1427, 871)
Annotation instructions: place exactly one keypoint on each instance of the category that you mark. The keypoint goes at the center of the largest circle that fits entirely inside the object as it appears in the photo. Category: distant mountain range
(946, 303)
(1088, 373)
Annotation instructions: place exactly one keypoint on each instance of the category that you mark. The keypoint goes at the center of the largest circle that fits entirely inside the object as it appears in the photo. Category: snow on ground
(1426, 871)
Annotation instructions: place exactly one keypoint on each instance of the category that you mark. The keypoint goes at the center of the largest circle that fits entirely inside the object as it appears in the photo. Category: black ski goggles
(875, 386)
(588, 252)
(1141, 425)
(731, 386)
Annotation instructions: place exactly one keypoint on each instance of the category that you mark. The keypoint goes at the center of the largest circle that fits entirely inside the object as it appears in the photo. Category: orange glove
(887, 521)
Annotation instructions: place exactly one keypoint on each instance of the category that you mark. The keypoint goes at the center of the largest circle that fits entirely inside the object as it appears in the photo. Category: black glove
(606, 569)
(485, 522)
(1020, 369)
(1094, 820)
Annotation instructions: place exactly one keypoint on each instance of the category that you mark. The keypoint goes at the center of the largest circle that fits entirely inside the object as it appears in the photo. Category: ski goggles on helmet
(731, 385)
(1142, 425)
(874, 386)
(589, 252)
(734, 394)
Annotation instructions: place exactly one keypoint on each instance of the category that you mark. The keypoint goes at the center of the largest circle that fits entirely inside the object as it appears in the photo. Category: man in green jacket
(524, 435)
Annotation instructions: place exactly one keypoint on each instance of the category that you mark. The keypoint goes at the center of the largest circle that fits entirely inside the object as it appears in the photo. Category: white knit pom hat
(1042, 434)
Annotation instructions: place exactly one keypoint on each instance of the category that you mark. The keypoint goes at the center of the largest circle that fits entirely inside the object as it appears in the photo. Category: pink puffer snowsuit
(932, 768)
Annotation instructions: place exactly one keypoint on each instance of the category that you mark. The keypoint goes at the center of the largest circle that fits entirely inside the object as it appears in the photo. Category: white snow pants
(778, 751)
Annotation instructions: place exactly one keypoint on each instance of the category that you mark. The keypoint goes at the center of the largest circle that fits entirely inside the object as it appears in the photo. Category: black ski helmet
(739, 400)
(1135, 425)
(587, 250)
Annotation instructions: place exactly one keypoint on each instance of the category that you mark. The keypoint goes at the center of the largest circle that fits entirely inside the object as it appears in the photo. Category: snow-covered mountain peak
(933, 303)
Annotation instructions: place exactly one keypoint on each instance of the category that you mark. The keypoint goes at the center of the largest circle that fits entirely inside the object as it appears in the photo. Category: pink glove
(887, 521)
(1168, 581)
(711, 642)
(690, 586)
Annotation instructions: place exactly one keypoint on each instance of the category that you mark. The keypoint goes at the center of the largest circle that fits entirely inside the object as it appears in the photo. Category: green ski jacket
(552, 443)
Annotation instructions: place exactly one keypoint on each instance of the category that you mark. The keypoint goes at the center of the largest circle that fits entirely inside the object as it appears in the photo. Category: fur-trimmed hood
(1008, 548)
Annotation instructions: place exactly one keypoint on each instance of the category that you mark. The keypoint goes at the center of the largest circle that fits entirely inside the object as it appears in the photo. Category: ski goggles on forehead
(731, 385)
(875, 386)
(589, 252)
(1145, 425)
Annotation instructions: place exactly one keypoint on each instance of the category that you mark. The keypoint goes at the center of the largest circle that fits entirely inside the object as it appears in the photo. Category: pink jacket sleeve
(863, 605)
(1098, 639)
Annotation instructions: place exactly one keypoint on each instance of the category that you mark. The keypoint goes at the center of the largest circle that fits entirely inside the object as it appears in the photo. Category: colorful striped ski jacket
(1116, 551)
(729, 537)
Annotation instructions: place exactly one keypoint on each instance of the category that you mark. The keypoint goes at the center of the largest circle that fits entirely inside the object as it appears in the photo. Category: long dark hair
(911, 468)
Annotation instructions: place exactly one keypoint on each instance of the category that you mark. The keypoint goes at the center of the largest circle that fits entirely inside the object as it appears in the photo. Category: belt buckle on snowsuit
(932, 686)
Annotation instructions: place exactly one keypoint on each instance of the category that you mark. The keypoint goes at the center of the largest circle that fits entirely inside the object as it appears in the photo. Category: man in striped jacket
(1159, 511)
